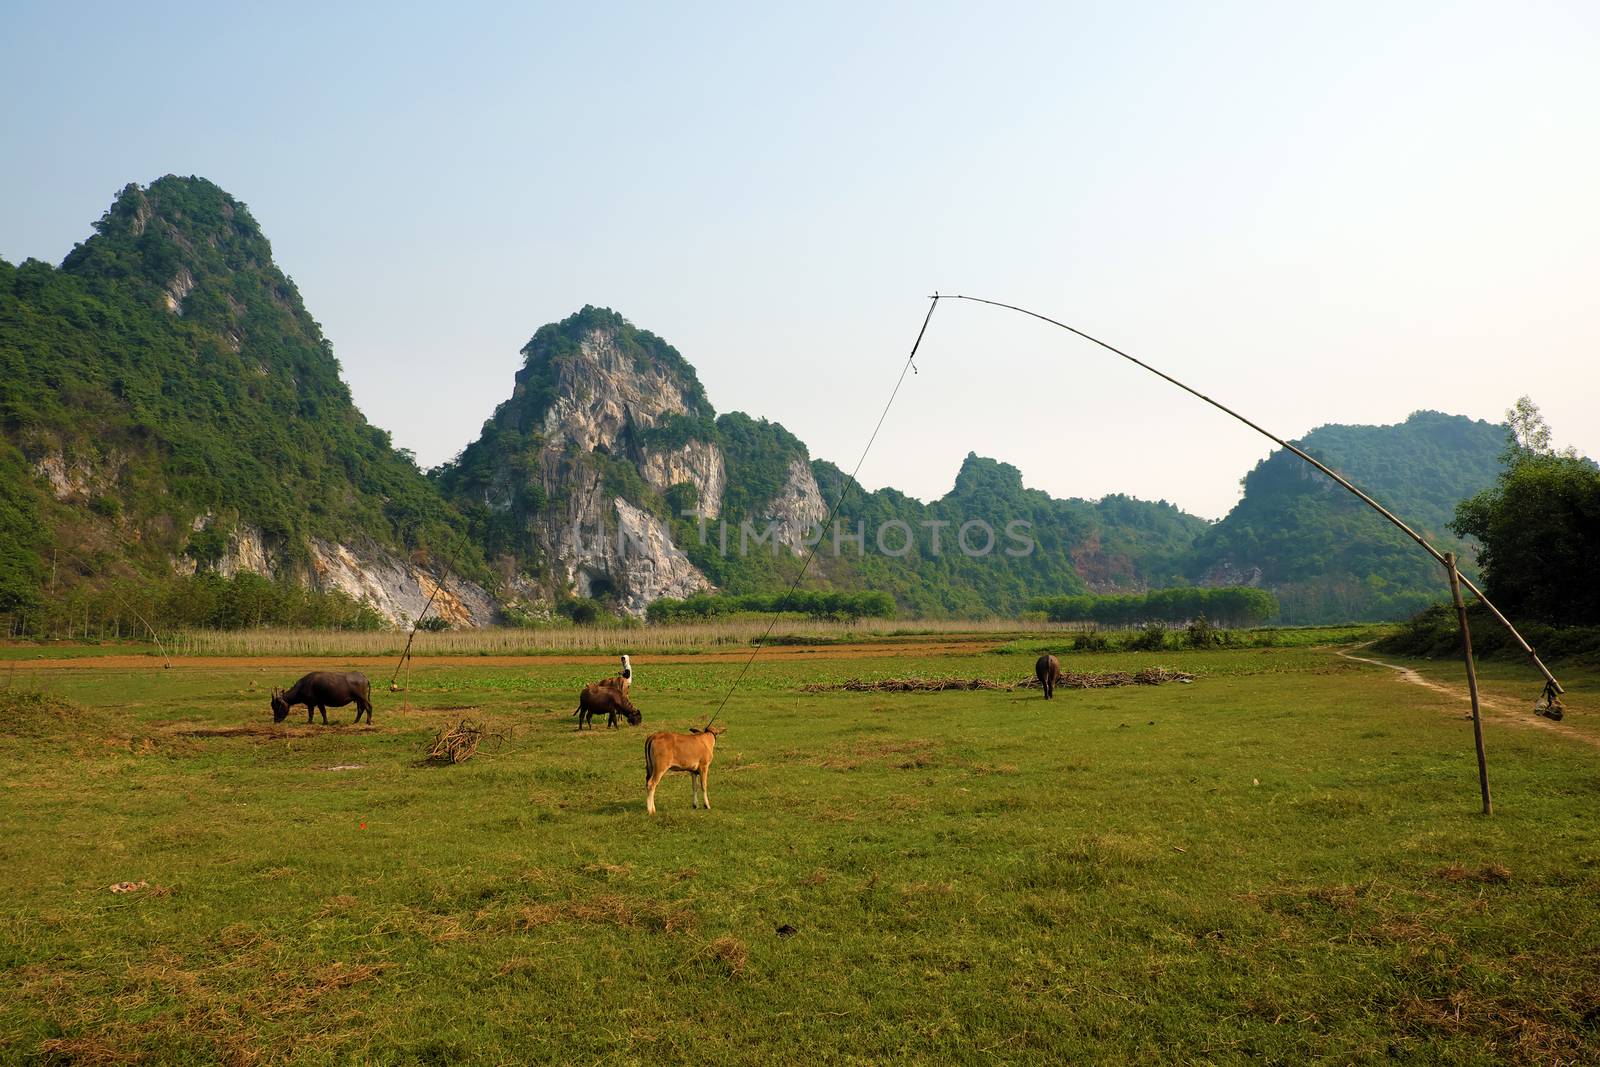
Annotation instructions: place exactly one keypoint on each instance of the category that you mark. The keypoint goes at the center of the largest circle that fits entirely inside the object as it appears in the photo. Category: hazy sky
(1332, 214)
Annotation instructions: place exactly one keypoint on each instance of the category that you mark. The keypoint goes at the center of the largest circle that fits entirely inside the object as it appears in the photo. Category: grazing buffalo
(321, 690)
(690, 752)
(610, 698)
(1048, 671)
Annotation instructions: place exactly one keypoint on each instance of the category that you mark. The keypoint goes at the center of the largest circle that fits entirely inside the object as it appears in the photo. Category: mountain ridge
(171, 406)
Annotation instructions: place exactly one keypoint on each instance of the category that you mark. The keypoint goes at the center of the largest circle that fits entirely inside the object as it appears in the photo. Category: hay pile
(459, 743)
(1069, 680)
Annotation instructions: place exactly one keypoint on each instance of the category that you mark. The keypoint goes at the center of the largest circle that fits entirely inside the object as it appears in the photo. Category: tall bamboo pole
(1422, 542)
(1472, 679)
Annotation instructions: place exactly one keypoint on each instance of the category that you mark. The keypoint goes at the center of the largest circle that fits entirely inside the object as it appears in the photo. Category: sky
(1317, 214)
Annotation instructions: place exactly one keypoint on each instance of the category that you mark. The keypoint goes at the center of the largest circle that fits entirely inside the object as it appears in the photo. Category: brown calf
(690, 752)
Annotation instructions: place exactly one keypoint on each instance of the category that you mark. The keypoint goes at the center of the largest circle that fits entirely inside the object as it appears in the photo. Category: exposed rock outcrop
(605, 395)
(696, 463)
(1227, 572)
(395, 588)
(603, 546)
(798, 507)
(71, 481)
(178, 290)
(590, 402)
(647, 563)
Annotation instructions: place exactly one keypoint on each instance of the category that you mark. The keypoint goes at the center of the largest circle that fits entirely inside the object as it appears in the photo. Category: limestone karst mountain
(169, 405)
(170, 413)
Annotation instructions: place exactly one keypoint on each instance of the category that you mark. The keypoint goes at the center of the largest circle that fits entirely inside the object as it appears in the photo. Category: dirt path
(1488, 708)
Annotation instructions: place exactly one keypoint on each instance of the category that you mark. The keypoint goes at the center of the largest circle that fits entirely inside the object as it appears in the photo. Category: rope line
(844, 490)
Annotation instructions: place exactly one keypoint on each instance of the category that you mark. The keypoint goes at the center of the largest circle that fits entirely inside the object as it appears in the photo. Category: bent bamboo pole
(1324, 468)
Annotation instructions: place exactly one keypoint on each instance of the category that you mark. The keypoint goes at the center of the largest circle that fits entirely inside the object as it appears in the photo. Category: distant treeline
(816, 604)
(205, 601)
(1230, 606)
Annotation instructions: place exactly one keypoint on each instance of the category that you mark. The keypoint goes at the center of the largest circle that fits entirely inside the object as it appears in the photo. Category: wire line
(832, 512)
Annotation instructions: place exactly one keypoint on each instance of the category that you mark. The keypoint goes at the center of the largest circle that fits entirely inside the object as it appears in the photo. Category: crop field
(1281, 861)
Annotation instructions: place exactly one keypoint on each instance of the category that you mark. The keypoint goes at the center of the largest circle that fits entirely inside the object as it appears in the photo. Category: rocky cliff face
(579, 462)
(395, 588)
(603, 394)
(798, 506)
(696, 463)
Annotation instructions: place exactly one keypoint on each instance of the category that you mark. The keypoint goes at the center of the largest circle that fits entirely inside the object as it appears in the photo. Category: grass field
(1282, 861)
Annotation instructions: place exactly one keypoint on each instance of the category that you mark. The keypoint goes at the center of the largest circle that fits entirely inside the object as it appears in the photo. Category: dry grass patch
(265, 731)
(1508, 1029)
(1489, 874)
(84, 1052)
(336, 905)
(1308, 900)
(608, 909)
(905, 755)
(338, 975)
(731, 953)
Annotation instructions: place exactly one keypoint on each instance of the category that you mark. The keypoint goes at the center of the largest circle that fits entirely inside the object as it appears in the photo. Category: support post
(1472, 679)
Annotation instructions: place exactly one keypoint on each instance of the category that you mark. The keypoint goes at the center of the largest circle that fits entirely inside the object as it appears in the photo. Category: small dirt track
(1488, 708)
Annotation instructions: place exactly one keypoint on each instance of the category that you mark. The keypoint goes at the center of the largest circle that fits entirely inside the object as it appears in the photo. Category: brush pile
(1143, 676)
(459, 743)
(1069, 680)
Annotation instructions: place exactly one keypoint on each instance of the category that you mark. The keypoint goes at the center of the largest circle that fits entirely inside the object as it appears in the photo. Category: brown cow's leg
(650, 792)
(705, 776)
(311, 714)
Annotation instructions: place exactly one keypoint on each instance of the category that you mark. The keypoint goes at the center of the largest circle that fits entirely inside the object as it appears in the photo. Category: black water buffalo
(1048, 671)
(608, 697)
(321, 690)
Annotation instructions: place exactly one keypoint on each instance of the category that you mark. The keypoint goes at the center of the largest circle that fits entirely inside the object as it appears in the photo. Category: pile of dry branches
(1144, 676)
(459, 743)
(1069, 679)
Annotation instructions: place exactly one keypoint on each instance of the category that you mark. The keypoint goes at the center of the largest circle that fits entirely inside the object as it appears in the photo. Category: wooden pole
(1472, 679)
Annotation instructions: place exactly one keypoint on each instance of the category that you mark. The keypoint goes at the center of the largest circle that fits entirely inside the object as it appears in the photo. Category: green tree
(1538, 527)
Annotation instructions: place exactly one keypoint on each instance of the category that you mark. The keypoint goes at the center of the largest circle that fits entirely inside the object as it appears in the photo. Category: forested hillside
(1115, 544)
(165, 398)
(1326, 555)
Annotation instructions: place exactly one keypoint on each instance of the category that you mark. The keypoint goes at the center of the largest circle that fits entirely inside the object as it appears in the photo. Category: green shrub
(1090, 641)
(1152, 638)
